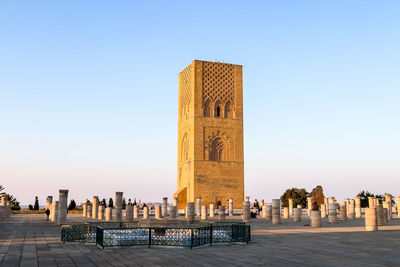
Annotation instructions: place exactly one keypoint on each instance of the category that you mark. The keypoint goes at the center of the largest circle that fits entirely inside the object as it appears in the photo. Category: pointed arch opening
(228, 110)
(185, 148)
(217, 110)
(218, 150)
(206, 108)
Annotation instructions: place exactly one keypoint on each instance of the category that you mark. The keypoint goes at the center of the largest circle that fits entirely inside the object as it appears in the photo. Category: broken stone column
(290, 206)
(109, 214)
(118, 207)
(175, 203)
(100, 214)
(246, 198)
(264, 211)
(221, 213)
(157, 212)
(352, 209)
(326, 203)
(164, 210)
(198, 206)
(261, 202)
(62, 206)
(269, 212)
(190, 212)
(385, 215)
(129, 213)
(172, 211)
(230, 206)
(347, 200)
(3, 200)
(398, 206)
(8, 208)
(380, 215)
(52, 211)
(309, 205)
(204, 212)
(212, 210)
(285, 213)
(332, 213)
(343, 211)
(315, 218)
(388, 199)
(95, 208)
(276, 211)
(297, 214)
(357, 201)
(89, 211)
(84, 210)
(56, 211)
(371, 220)
(323, 211)
(145, 213)
(371, 202)
(135, 212)
(331, 201)
(246, 211)
(49, 200)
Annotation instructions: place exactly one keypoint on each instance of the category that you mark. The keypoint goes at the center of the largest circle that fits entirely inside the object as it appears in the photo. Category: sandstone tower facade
(210, 134)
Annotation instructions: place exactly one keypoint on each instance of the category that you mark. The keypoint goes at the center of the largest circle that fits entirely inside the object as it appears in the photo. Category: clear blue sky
(88, 93)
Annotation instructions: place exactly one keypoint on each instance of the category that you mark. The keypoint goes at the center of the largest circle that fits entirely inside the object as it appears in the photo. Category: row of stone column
(375, 216)
(96, 211)
(204, 212)
(200, 208)
(5, 207)
(58, 209)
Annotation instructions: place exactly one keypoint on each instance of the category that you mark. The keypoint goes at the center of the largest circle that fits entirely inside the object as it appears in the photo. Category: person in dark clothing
(47, 212)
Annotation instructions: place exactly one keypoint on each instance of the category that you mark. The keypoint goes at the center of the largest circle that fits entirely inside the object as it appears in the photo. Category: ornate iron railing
(168, 236)
(87, 232)
(108, 234)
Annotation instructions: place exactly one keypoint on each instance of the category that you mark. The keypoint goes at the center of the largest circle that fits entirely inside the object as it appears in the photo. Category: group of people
(255, 209)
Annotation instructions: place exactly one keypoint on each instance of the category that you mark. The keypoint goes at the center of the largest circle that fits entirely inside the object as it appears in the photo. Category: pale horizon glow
(88, 94)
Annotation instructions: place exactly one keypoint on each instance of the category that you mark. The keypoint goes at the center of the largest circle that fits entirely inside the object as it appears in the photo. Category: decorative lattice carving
(185, 92)
(218, 82)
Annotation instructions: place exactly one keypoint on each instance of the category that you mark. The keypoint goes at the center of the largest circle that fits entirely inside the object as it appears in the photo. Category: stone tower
(210, 134)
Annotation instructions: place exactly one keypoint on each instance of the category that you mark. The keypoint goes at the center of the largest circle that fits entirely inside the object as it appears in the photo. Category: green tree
(11, 198)
(391, 198)
(103, 202)
(299, 196)
(363, 195)
(72, 205)
(30, 207)
(111, 202)
(36, 206)
(123, 203)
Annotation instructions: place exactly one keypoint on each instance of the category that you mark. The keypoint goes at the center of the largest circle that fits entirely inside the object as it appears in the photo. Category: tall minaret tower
(210, 134)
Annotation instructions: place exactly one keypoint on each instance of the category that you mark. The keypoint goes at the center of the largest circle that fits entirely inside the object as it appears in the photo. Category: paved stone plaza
(28, 240)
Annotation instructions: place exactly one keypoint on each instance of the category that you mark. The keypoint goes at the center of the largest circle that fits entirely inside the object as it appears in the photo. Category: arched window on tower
(185, 149)
(217, 110)
(207, 108)
(218, 150)
(228, 110)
